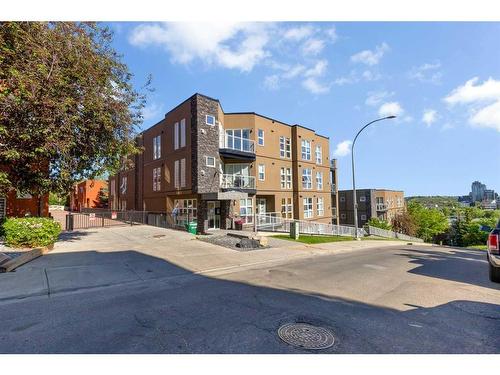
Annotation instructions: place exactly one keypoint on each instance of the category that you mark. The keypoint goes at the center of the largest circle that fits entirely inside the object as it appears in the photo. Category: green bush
(31, 231)
(377, 223)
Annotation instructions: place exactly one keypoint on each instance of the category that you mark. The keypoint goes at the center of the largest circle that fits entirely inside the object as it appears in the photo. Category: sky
(441, 80)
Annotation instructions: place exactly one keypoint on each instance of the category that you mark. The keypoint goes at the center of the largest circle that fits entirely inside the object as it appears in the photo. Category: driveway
(152, 290)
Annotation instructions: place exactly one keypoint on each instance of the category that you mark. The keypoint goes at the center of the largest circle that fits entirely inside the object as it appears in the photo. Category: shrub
(377, 223)
(31, 231)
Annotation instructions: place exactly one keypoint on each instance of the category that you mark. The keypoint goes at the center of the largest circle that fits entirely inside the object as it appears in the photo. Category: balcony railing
(237, 143)
(236, 181)
(381, 207)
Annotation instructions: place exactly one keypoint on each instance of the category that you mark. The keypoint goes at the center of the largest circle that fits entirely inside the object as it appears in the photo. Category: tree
(68, 111)
(404, 223)
(429, 221)
(102, 198)
(377, 223)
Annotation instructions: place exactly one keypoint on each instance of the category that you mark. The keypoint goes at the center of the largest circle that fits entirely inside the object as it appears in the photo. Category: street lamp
(355, 200)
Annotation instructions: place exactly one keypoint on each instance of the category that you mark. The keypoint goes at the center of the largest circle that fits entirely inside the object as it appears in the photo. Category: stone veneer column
(225, 208)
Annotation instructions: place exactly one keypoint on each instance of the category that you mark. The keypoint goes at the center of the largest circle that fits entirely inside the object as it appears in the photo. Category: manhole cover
(306, 336)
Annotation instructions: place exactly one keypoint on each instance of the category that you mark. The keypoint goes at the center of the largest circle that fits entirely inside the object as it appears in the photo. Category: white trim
(206, 161)
(206, 120)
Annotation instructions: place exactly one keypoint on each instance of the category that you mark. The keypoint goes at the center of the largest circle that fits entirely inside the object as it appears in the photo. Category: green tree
(377, 223)
(429, 221)
(102, 198)
(68, 110)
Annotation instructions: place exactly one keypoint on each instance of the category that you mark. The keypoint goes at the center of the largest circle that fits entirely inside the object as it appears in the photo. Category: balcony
(233, 147)
(238, 182)
(381, 207)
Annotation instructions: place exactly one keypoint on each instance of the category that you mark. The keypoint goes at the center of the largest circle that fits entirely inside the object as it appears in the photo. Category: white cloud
(230, 45)
(343, 149)
(272, 82)
(318, 69)
(483, 100)
(427, 72)
(313, 46)
(294, 71)
(376, 97)
(332, 34)
(314, 86)
(390, 109)
(429, 117)
(152, 111)
(370, 57)
(298, 33)
(368, 75)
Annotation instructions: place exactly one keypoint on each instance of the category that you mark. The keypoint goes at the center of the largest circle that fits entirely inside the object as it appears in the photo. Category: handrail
(237, 181)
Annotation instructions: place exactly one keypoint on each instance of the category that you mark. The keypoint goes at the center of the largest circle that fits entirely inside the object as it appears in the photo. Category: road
(403, 299)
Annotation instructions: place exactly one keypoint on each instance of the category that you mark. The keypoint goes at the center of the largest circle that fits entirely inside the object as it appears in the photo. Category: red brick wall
(21, 207)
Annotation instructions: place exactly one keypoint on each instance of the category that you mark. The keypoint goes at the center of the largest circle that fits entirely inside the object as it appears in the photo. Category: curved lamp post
(355, 200)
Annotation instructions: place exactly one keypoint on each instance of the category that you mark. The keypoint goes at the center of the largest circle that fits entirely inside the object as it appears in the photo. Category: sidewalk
(112, 256)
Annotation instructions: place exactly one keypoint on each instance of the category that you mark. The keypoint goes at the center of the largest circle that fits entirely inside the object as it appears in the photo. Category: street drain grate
(306, 336)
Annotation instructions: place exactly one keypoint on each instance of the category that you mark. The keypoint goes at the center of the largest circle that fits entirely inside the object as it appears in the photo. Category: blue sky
(442, 80)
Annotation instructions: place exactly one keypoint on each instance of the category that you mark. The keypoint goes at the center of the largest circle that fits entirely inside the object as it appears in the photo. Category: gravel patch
(227, 241)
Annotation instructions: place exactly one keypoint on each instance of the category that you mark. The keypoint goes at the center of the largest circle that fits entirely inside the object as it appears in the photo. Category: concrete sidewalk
(105, 257)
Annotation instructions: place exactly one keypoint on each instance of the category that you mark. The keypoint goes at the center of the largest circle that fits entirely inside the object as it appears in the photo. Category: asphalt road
(384, 300)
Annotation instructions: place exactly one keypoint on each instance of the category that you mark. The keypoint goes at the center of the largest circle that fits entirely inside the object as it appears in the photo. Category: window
(239, 139)
(260, 137)
(319, 180)
(363, 217)
(286, 208)
(306, 150)
(342, 198)
(157, 179)
(183, 173)
(183, 132)
(210, 161)
(262, 172)
(246, 210)
(286, 178)
(187, 209)
(320, 206)
(176, 136)
(176, 174)
(210, 120)
(308, 208)
(157, 147)
(285, 147)
(123, 186)
(319, 155)
(362, 199)
(307, 178)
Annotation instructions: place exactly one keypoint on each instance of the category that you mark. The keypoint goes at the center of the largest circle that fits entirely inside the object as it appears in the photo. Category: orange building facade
(86, 195)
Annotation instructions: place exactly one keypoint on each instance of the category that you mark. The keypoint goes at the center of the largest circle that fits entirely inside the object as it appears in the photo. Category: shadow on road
(129, 302)
(465, 266)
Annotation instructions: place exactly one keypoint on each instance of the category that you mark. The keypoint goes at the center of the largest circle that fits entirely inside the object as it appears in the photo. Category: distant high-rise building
(489, 195)
(477, 191)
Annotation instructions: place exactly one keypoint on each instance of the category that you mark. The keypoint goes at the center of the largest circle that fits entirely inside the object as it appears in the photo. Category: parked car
(494, 253)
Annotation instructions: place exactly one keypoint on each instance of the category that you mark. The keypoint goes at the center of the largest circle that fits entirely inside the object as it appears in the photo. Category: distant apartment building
(85, 194)
(372, 203)
(477, 191)
(217, 167)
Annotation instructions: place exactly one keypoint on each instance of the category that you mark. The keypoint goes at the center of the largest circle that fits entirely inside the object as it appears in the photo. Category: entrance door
(213, 214)
(261, 210)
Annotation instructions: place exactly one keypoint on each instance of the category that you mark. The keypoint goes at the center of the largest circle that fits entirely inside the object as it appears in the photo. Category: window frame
(287, 208)
(319, 154)
(307, 183)
(263, 172)
(308, 212)
(157, 147)
(320, 209)
(206, 120)
(207, 164)
(260, 137)
(248, 215)
(305, 149)
(319, 182)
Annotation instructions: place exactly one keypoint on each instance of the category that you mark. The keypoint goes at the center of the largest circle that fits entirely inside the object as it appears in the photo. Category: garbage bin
(191, 227)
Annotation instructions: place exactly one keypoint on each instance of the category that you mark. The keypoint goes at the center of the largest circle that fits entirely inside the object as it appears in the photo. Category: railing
(381, 207)
(271, 223)
(373, 231)
(237, 143)
(236, 181)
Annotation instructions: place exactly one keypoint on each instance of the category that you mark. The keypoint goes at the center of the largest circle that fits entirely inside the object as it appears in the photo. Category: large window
(262, 172)
(308, 208)
(320, 206)
(260, 137)
(157, 179)
(319, 155)
(286, 178)
(239, 139)
(186, 209)
(319, 180)
(285, 147)
(180, 134)
(246, 210)
(237, 169)
(286, 208)
(157, 147)
(307, 178)
(306, 149)
(123, 186)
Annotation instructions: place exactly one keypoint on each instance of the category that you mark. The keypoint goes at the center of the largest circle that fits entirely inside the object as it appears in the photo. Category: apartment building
(372, 203)
(218, 167)
(14, 204)
(334, 191)
(85, 194)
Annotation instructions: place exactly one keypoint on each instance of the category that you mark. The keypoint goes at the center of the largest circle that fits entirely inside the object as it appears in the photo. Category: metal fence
(93, 218)
(275, 223)
(373, 231)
